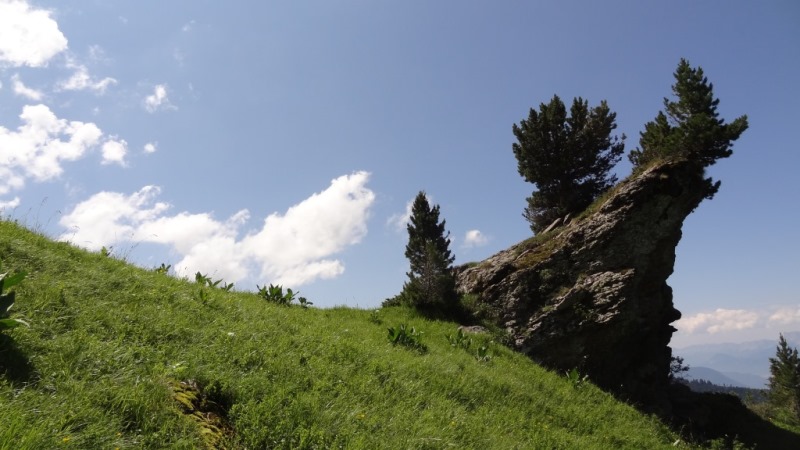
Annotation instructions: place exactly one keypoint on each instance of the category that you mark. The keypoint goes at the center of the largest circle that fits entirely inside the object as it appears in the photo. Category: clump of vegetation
(407, 337)
(567, 157)
(7, 297)
(275, 294)
(459, 340)
(205, 280)
(482, 354)
(576, 379)
(163, 269)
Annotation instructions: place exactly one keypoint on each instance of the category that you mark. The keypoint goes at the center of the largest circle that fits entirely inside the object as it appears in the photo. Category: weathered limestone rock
(592, 294)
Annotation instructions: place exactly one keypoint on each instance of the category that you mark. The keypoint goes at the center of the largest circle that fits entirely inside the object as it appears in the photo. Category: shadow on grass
(14, 364)
(708, 416)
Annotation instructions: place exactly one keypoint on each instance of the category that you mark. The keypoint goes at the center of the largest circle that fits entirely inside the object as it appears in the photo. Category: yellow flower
(361, 416)
(452, 424)
(65, 439)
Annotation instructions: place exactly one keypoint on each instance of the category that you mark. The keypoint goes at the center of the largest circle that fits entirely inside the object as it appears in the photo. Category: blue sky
(282, 141)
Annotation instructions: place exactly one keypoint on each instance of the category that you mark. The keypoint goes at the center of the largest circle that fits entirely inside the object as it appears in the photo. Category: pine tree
(568, 158)
(784, 380)
(431, 284)
(689, 127)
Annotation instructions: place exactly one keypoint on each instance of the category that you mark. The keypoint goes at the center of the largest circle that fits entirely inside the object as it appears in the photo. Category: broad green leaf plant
(7, 281)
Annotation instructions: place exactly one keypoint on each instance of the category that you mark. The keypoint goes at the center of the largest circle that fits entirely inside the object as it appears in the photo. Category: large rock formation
(592, 294)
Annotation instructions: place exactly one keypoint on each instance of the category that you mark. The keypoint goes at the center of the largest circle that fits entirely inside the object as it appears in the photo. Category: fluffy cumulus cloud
(38, 147)
(114, 151)
(28, 36)
(158, 99)
(150, 147)
(292, 248)
(719, 320)
(24, 91)
(474, 238)
(9, 204)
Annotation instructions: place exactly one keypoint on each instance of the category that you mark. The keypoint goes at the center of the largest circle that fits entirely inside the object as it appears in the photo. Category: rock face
(592, 294)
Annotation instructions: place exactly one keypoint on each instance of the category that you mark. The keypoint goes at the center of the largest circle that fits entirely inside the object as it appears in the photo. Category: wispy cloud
(158, 99)
(81, 80)
(719, 320)
(28, 35)
(399, 221)
(474, 238)
(292, 248)
(40, 145)
(786, 316)
(24, 91)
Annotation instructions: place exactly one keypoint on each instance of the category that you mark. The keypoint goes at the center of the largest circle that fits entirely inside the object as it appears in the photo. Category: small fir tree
(567, 157)
(689, 127)
(431, 285)
(784, 379)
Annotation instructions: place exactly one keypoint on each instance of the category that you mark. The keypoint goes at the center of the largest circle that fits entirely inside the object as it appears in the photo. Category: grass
(121, 357)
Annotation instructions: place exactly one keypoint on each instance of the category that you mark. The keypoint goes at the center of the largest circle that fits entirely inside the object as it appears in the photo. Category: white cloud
(401, 220)
(21, 89)
(11, 204)
(474, 238)
(114, 151)
(719, 320)
(151, 147)
(39, 146)
(786, 316)
(110, 217)
(81, 80)
(158, 99)
(28, 36)
(293, 248)
(188, 26)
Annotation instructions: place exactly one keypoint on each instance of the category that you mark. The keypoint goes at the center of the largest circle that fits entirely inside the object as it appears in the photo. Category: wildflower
(65, 439)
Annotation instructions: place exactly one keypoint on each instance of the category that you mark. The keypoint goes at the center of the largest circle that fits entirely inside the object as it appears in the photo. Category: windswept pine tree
(568, 158)
(690, 126)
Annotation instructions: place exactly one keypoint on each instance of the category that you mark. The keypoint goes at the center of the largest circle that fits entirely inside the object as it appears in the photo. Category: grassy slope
(107, 340)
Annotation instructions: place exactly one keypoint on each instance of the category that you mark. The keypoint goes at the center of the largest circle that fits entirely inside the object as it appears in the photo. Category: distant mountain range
(744, 364)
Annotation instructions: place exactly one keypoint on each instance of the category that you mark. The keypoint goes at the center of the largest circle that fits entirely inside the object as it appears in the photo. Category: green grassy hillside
(121, 357)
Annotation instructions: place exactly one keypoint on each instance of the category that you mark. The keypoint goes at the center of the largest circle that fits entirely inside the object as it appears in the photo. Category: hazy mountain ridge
(735, 364)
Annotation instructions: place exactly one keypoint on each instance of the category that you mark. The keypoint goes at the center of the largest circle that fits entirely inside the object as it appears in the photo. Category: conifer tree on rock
(431, 285)
(568, 158)
(784, 380)
(689, 127)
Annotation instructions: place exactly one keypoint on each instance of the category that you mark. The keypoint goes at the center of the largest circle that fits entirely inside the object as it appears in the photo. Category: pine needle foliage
(567, 157)
(689, 126)
(431, 286)
(784, 381)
